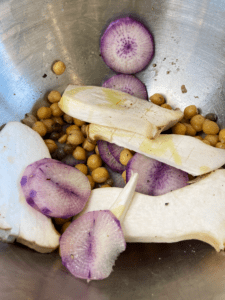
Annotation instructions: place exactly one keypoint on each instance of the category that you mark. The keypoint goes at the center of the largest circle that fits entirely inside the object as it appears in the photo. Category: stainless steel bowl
(190, 51)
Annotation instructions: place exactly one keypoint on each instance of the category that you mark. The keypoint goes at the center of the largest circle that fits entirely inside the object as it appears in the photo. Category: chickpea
(63, 139)
(44, 112)
(96, 150)
(75, 137)
(125, 156)
(190, 111)
(78, 122)
(49, 124)
(206, 142)
(54, 96)
(222, 135)
(167, 106)
(58, 120)
(83, 168)
(100, 175)
(198, 137)
(68, 119)
(190, 130)
(71, 128)
(94, 161)
(60, 221)
(88, 146)
(59, 68)
(179, 129)
(197, 122)
(157, 99)
(210, 127)
(40, 128)
(105, 185)
(212, 138)
(68, 149)
(124, 176)
(92, 183)
(56, 111)
(220, 145)
(83, 129)
(79, 153)
(64, 227)
(51, 145)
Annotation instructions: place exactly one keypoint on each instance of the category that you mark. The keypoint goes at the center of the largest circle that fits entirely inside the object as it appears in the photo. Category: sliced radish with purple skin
(115, 150)
(127, 84)
(155, 178)
(108, 158)
(92, 243)
(127, 46)
(55, 189)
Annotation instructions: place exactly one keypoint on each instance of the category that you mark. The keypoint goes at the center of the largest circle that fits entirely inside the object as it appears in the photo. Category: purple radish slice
(55, 189)
(116, 177)
(127, 46)
(155, 178)
(88, 239)
(169, 179)
(127, 84)
(108, 158)
(92, 242)
(115, 150)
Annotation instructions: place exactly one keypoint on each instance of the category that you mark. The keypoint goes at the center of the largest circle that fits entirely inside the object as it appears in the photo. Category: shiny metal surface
(190, 51)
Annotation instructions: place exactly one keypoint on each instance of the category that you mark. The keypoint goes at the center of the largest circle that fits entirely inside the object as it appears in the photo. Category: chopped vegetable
(92, 243)
(196, 211)
(180, 151)
(127, 84)
(116, 109)
(127, 46)
(155, 178)
(18, 220)
(55, 189)
(108, 158)
(115, 150)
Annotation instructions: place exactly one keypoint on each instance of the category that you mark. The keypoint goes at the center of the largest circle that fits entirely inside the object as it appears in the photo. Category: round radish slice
(155, 178)
(55, 189)
(91, 244)
(127, 84)
(108, 158)
(127, 46)
(115, 150)
(169, 179)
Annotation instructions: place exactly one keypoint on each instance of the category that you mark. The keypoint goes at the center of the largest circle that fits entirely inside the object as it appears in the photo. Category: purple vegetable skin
(155, 178)
(108, 158)
(127, 84)
(91, 244)
(115, 150)
(55, 189)
(127, 46)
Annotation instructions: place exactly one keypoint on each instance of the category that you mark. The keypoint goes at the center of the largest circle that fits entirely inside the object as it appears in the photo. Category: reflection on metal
(190, 51)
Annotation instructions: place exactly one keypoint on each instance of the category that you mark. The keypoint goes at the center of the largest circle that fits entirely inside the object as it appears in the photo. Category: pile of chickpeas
(196, 125)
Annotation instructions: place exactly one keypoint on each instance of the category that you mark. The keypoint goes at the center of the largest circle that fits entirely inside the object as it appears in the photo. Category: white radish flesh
(116, 109)
(193, 212)
(182, 152)
(20, 146)
(91, 244)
